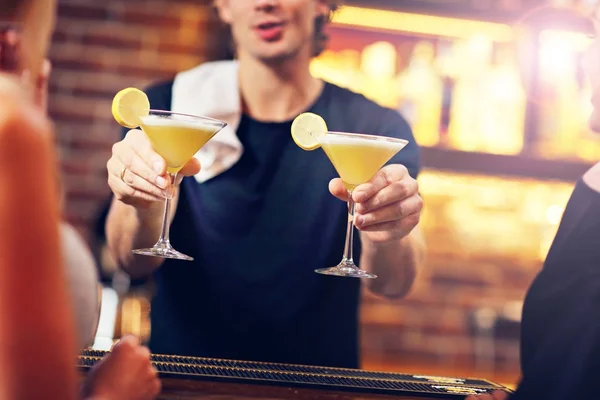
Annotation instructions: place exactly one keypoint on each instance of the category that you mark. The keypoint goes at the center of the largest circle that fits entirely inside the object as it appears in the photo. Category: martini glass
(356, 158)
(176, 138)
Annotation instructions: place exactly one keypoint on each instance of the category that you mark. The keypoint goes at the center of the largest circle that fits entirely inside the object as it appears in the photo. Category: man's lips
(270, 31)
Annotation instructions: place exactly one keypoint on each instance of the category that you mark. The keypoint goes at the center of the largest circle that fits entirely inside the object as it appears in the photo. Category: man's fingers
(139, 167)
(192, 167)
(385, 176)
(123, 191)
(394, 192)
(337, 188)
(155, 164)
(136, 154)
(142, 185)
(138, 175)
(391, 212)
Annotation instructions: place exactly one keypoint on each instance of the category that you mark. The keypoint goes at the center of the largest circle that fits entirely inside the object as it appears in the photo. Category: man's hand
(124, 374)
(497, 395)
(388, 207)
(137, 175)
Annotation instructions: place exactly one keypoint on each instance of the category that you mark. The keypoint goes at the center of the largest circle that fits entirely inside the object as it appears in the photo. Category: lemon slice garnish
(129, 105)
(307, 130)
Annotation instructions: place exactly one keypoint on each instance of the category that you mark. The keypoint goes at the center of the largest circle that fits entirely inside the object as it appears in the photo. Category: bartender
(261, 214)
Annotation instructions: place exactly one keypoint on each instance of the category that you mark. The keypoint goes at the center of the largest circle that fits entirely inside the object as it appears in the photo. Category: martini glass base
(163, 251)
(346, 269)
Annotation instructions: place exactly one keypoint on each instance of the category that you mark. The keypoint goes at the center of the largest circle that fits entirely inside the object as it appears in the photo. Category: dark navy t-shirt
(257, 232)
(560, 337)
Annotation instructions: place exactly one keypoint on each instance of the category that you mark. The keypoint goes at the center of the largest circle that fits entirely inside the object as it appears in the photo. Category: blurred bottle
(447, 65)
(470, 98)
(504, 117)
(560, 117)
(420, 91)
(378, 66)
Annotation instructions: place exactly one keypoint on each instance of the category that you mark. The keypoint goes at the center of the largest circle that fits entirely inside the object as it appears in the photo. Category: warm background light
(421, 24)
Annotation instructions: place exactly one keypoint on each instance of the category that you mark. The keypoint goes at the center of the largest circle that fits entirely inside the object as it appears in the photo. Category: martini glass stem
(347, 260)
(169, 193)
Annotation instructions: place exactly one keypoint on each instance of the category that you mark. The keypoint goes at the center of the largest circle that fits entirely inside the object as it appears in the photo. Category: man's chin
(275, 57)
(276, 53)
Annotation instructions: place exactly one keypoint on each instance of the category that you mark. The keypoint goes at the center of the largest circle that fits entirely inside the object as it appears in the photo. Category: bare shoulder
(592, 177)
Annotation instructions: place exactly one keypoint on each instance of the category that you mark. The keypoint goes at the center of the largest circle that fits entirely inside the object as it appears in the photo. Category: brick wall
(99, 48)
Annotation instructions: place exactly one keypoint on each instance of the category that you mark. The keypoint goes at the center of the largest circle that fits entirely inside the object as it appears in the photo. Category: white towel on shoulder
(211, 90)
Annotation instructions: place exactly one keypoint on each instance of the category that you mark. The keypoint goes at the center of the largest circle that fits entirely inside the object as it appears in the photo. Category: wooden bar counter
(191, 378)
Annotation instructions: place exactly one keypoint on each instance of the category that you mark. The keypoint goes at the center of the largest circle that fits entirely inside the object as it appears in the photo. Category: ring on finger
(123, 171)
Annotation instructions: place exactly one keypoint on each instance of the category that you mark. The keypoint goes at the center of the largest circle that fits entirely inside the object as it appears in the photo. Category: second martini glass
(356, 158)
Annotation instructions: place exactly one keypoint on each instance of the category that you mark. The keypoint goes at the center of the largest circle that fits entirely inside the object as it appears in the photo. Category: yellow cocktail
(176, 140)
(356, 158)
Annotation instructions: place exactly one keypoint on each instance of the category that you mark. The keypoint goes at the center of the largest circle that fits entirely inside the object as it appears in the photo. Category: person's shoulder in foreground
(560, 338)
(560, 349)
(348, 111)
(30, 267)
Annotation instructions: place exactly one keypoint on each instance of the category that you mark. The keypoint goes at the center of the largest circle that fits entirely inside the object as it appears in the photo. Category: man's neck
(276, 93)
